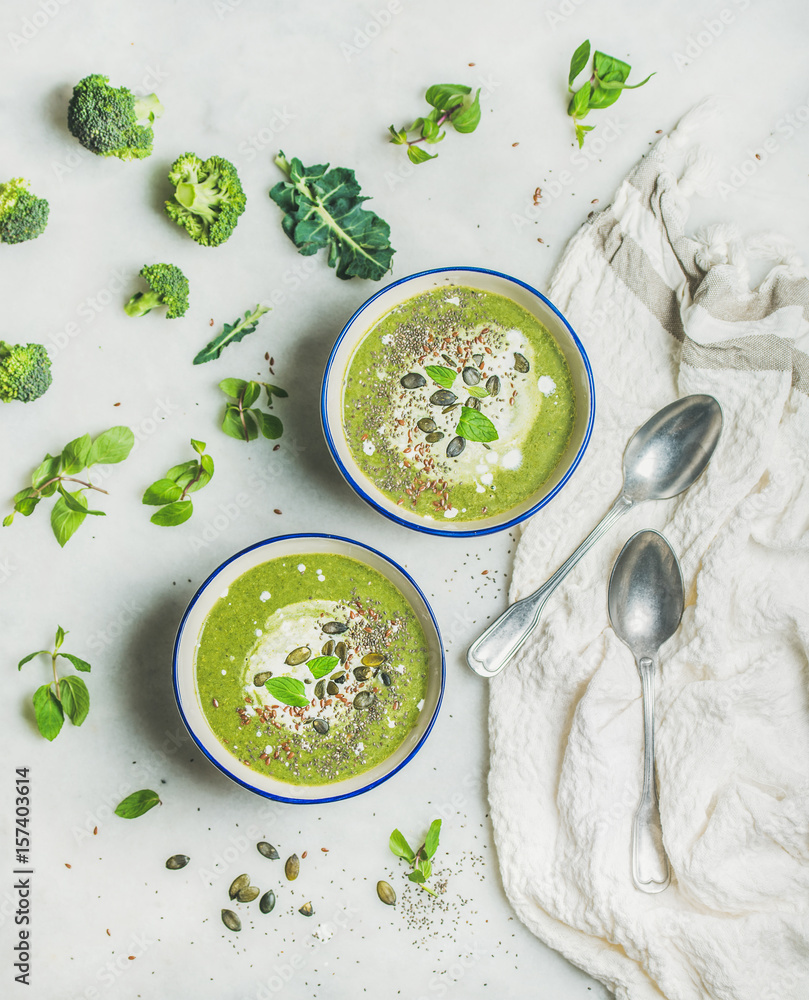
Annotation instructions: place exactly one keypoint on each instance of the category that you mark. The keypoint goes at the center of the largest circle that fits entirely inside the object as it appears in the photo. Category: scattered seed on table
(306, 910)
(292, 867)
(231, 920)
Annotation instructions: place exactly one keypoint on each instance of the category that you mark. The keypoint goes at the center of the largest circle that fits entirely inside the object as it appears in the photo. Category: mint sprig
(244, 423)
(63, 696)
(49, 478)
(170, 494)
(451, 104)
(418, 860)
(137, 804)
(607, 81)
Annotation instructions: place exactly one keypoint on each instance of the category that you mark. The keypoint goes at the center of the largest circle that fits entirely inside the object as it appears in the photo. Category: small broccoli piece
(22, 216)
(168, 287)
(208, 199)
(25, 372)
(105, 119)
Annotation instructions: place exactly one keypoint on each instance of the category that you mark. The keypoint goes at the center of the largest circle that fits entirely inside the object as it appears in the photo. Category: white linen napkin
(664, 315)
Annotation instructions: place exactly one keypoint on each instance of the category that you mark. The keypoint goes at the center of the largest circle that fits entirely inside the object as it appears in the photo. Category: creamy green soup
(311, 668)
(421, 368)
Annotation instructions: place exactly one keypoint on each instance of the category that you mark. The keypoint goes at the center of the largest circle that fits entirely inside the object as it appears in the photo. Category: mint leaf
(274, 390)
(475, 426)
(321, 665)
(75, 699)
(231, 334)
(400, 847)
(271, 426)
(323, 211)
(467, 118)
(75, 453)
(444, 95)
(64, 521)
(417, 154)
(198, 446)
(111, 446)
(173, 514)
(137, 804)
(477, 391)
(60, 637)
(77, 662)
(27, 659)
(431, 840)
(48, 712)
(161, 492)
(288, 690)
(416, 876)
(182, 474)
(77, 503)
(251, 393)
(232, 424)
(45, 472)
(578, 61)
(442, 375)
(232, 386)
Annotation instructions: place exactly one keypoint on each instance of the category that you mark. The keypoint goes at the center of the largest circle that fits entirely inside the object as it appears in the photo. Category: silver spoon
(662, 459)
(646, 600)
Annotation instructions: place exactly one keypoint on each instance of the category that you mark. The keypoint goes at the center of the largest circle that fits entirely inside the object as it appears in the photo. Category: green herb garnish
(49, 477)
(441, 375)
(323, 211)
(288, 690)
(231, 334)
(418, 860)
(322, 665)
(137, 804)
(63, 696)
(603, 88)
(170, 494)
(475, 426)
(451, 102)
(244, 423)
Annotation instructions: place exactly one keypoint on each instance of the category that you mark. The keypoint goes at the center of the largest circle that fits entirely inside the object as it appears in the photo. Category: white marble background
(321, 81)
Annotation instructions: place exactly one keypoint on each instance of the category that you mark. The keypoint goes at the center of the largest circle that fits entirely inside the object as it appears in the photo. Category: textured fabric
(663, 315)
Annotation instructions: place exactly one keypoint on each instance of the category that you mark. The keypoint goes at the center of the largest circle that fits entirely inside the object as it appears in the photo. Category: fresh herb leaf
(274, 390)
(467, 118)
(61, 696)
(288, 690)
(75, 699)
(607, 81)
(70, 509)
(400, 847)
(431, 840)
(170, 494)
(418, 155)
(137, 804)
(322, 665)
(231, 334)
(271, 426)
(232, 386)
(452, 104)
(477, 391)
(475, 426)
(441, 375)
(48, 712)
(243, 423)
(323, 211)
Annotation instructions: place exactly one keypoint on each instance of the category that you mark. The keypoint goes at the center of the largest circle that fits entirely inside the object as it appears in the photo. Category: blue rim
(221, 767)
(471, 532)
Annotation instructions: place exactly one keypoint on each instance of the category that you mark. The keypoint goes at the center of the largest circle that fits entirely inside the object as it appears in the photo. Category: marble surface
(322, 82)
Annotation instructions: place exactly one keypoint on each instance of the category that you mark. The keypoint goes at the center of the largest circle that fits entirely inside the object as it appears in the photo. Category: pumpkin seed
(364, 699)
(335, 628)
(320, 726)
(413, 380)
(236, 886)
(386, 893)
(267, 850)
(449, 360)
(328, 648)
(292, 867)
(449, 409)
(339, 677)
(248, 895)
(341, 652)
(455, 447)
(427, 424)
(231, 921)
(477, 358)
(362, 673)
(373, 659)
(306, 910)
(474, 403)
(177, 861)
(443, 397)
(385, 678)
(267, 901)
(320, 688)
(471, 376)
(493, 386)
(261, 679)
(521, 363)
(435, 436)
(299, 655)
(331, 688)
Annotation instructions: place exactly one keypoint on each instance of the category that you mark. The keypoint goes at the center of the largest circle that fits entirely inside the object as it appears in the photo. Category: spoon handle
(650, 866)
(493, 649)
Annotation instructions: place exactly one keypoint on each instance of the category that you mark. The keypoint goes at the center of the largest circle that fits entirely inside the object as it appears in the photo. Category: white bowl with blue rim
(186, 688)
(483, 279)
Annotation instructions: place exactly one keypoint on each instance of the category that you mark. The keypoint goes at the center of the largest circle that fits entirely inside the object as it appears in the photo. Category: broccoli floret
(208, 199)
(168, 287)
(25, 372)
(22, 216)
(105, 119)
